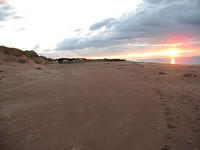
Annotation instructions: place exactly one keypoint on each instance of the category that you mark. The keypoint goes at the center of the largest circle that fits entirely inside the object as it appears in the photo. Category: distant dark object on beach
(162, 73)
(38, 68)
(105, 59)
(71, 60)
(188, 75)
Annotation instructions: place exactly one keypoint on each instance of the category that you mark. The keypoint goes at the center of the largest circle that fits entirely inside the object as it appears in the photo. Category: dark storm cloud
(152, 22)
(81, 43)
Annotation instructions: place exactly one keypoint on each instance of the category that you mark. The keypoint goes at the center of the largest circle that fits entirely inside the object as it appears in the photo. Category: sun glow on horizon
(173, 52)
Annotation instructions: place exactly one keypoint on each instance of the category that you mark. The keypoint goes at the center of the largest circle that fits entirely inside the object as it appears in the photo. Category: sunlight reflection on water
(173, 61)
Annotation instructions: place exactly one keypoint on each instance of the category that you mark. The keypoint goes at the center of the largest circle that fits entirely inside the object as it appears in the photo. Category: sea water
(178, 60)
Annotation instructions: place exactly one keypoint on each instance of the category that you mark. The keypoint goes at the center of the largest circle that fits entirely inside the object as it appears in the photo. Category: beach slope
(99, 106)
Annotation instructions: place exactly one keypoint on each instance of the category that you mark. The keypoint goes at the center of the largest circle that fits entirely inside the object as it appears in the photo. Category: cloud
(101, 24)
(77, 30)
(17, 17)
(153, 1)
(152, 22)
(36, 47)
(82, 43)
(6, 11)
(3, 1)
(20, 29)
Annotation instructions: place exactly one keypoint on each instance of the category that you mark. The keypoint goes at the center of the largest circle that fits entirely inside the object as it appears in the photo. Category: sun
(173, 53)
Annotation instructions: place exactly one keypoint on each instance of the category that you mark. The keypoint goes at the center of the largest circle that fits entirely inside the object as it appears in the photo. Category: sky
(129, 29)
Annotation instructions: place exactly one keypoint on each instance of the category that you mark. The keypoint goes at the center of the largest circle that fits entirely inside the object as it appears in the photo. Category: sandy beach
(100, 106)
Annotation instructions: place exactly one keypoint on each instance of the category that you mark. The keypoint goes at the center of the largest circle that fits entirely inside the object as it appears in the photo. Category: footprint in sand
(163, 103)
(196, 129)
(76, 147)
(169, 136)
(166, 147)
(167, 113)
(167, 108)
(189, 141)
(170, 119)
(170, 126)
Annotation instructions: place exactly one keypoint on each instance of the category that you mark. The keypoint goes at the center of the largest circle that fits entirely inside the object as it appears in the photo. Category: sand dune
(13, 55)
(100, 106)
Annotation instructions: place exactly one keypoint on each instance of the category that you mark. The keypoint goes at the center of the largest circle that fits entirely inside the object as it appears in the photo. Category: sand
(100, 106)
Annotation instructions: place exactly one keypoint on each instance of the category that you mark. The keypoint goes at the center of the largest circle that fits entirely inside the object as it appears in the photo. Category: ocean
(179, 60)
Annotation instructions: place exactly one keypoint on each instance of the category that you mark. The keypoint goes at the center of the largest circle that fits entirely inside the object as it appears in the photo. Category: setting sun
(173, 53)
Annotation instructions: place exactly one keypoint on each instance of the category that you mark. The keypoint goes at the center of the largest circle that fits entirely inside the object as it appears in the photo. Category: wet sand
(100, 106)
